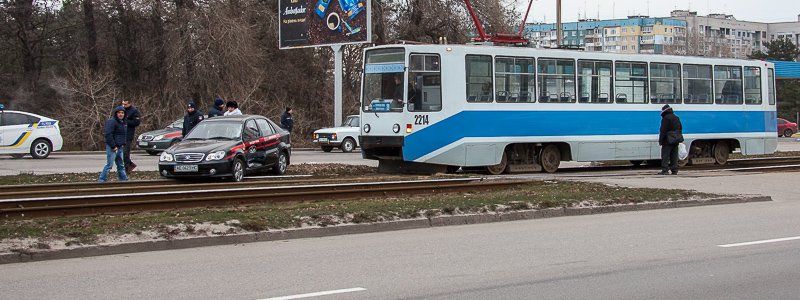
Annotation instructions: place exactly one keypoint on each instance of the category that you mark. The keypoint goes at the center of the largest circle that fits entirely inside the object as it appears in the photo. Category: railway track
(29, 201)
(78, 205)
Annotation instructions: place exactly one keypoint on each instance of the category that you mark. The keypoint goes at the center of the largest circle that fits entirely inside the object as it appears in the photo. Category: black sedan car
(229, 146)
(156, 141)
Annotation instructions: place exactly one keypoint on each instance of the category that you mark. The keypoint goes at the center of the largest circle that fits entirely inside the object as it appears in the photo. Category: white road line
(760, 242)
(317, 294)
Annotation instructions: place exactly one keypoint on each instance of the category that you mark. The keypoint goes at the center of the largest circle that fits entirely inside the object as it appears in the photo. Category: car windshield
(177, 124)
(216, 131)
(351, 122)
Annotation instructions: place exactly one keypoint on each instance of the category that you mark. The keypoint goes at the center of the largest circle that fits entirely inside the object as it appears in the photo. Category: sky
(747, 10)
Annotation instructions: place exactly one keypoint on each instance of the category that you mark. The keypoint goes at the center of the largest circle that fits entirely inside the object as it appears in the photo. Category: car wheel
(327, 148)
(237, 172)
(152, 152)
(788, 133)
(282, 165)
(41, 149)
(348, 145)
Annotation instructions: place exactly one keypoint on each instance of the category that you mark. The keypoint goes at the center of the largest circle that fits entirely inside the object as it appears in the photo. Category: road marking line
(760, 242)
(317, 294)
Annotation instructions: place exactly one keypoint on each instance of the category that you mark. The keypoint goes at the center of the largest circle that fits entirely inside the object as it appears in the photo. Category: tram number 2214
(421, 120)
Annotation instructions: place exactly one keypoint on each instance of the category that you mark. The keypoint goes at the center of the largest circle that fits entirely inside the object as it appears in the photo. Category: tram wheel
(550, 158)
(498, 168)
(721, 152)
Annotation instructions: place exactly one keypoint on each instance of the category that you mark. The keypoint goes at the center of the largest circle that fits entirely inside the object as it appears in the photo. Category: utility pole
(559, 32)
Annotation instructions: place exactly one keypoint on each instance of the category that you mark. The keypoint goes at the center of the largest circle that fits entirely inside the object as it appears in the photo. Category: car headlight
(333, 136)
(216, 155)
(166, 156)
(158, 137)
(316, 136)
(141, 137)
(367, 128)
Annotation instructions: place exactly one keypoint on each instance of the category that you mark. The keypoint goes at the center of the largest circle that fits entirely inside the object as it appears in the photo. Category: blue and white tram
(521, 109)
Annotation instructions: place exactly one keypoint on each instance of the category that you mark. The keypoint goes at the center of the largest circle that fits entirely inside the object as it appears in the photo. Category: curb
(314, 232)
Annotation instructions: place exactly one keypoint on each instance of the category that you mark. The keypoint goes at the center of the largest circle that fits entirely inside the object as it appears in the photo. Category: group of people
(120, 131)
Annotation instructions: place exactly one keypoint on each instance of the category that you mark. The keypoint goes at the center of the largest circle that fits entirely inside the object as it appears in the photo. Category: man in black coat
(132, 118)
(192, 118)
(218, 110)
(287, 122)
(670, 135)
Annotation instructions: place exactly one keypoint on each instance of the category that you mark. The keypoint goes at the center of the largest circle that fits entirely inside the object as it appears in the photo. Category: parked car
(786, 128)
(229, 146)
(23, 133)
(345, 137)
(156, 141)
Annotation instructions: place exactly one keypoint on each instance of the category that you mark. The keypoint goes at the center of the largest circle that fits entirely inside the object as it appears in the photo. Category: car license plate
(323, 140)
(142, 144)
(185, 168)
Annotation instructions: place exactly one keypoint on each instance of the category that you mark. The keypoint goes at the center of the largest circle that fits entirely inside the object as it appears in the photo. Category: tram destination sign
(313, 23)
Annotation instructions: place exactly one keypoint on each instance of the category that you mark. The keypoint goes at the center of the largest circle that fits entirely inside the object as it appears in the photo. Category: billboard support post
(337, 82)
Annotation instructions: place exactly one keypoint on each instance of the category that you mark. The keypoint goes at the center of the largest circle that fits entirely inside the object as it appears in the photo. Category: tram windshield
(384, 80)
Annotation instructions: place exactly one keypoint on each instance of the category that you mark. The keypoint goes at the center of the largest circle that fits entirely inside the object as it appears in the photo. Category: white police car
(24, 133)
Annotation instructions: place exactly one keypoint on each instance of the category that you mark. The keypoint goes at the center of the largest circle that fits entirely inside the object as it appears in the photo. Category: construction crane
(499, 38)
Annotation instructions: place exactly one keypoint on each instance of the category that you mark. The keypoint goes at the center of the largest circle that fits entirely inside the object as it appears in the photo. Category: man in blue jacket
(116, 133)
(132, 119)
(219, 108)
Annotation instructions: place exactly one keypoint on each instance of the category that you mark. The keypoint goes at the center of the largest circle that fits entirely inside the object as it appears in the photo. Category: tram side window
(556, 80)
(697, 84)
(728, 85)
(594, 81)
(631, 82)
(514, 79)
(479, 78)
(424, 83)
(771, 79)
(752, 85)
(665, 83)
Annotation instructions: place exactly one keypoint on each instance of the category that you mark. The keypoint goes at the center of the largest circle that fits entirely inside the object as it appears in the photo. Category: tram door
(424, 93)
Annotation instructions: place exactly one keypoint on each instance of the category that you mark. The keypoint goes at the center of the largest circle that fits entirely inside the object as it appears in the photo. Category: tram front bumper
(381, 147)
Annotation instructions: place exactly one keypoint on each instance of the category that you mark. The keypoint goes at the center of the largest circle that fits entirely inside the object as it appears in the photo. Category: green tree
(780, 49)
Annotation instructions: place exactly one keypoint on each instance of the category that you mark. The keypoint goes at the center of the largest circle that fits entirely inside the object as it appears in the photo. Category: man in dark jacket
(669, 136)
(286, 120)
(132, 119)
(116, 134)
(192, 118)
(219, 108)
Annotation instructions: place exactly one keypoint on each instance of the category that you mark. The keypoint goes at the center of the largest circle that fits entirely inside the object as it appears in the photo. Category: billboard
(312, 23)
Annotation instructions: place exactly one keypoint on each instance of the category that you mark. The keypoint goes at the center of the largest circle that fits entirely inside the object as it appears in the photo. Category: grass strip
(215, 221)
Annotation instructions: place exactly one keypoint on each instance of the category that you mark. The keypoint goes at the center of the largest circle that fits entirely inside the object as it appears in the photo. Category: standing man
(219, 108)
(115, 137)
(132, 119)
(669, 136)
(192, 118)
(286, 120)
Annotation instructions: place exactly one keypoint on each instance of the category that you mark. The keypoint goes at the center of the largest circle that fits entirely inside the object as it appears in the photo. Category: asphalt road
(79, 163)
(660, 254)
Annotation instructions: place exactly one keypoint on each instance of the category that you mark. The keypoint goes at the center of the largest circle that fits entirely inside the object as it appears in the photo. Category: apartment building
(636, 34)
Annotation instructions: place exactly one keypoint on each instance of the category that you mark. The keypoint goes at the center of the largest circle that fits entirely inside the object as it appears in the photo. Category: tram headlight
(367, 128)
(396, 128)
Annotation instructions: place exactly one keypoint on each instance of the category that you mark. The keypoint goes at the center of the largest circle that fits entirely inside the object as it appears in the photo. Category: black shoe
(663, 173)
(675, 173)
